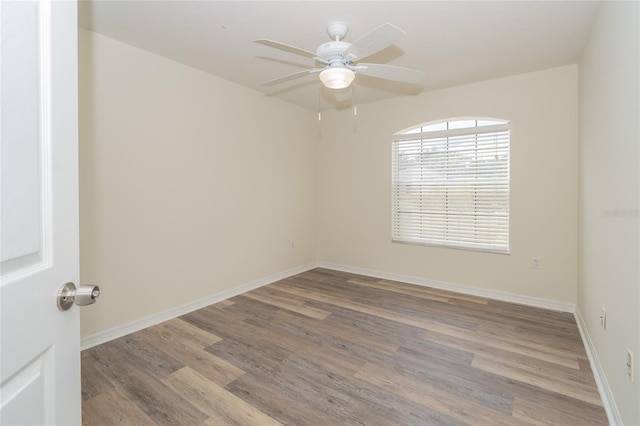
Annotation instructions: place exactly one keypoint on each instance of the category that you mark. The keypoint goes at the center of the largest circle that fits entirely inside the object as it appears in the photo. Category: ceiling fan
(339, 57)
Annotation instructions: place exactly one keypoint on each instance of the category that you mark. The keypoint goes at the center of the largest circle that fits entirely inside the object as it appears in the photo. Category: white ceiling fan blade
(286, 48)
(374, 41)
(291, 76)
(390, 72)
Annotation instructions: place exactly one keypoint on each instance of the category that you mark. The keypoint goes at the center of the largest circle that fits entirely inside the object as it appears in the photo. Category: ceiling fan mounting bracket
(337, 30)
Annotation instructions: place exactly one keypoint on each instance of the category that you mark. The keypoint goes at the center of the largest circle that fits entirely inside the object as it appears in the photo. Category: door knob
(81, 296)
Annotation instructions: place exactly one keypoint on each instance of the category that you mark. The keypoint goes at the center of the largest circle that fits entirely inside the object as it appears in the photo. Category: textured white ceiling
(453, 42)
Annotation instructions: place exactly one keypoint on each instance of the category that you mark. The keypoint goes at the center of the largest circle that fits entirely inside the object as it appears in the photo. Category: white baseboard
(475, 291)
(148, 321)
(610, 407)
(131, 327)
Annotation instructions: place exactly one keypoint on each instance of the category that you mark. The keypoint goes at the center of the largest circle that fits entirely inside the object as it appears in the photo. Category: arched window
(450, 183)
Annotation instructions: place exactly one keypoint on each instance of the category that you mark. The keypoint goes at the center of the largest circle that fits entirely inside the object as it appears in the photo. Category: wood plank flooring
(331, 348)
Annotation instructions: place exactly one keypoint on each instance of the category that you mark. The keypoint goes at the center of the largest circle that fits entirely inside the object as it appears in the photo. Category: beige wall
(190, 185)
(609, 250)
(354, 191)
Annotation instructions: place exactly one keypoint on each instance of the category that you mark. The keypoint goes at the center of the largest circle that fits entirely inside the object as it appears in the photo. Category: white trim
(610, 407)
(613, 415)
(458, 288)
(148, 321)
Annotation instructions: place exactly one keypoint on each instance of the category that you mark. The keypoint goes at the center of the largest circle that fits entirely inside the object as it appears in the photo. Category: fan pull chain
(319, 104)
(355, 99)
(320, 113)
(355, 108)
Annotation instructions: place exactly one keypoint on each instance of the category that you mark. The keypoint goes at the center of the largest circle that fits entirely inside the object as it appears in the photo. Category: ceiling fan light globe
(337, 78)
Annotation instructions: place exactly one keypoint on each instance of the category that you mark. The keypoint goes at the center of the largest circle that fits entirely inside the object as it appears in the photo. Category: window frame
(454, 223)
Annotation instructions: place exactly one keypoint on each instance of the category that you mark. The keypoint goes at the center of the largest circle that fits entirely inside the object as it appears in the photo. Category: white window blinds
(450, 185)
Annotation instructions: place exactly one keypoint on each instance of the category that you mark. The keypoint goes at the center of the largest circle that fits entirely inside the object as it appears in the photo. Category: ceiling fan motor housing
(332, 49)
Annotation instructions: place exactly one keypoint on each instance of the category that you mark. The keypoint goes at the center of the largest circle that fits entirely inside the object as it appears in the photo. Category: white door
(39, 344)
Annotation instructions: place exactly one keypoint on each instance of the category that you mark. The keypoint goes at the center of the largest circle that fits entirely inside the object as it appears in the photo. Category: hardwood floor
(331, 348)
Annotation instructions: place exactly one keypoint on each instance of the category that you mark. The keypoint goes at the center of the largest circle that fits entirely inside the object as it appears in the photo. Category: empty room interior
(293, 253)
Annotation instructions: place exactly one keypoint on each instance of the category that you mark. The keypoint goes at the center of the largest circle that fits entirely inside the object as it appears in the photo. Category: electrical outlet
(603, 318)
(535, 262)
(292, 244)
(630, 371)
